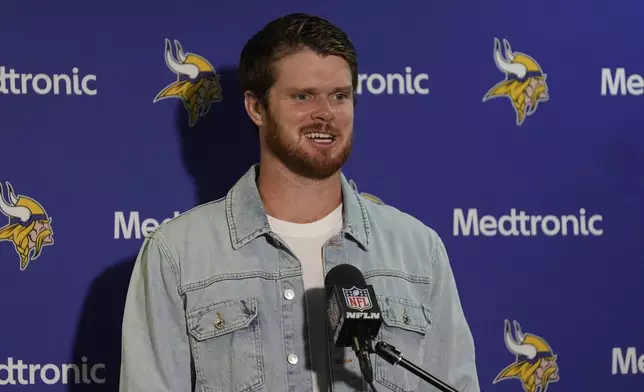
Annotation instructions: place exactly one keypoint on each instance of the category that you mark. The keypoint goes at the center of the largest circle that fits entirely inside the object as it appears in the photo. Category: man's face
(309, 121)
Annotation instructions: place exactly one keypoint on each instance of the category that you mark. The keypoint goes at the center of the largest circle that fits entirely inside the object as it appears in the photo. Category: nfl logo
(357, 299)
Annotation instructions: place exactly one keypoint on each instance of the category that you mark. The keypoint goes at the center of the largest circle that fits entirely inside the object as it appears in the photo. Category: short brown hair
(287, 35)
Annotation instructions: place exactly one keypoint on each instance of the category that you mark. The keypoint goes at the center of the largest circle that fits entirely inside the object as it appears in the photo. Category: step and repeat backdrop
(514, 129)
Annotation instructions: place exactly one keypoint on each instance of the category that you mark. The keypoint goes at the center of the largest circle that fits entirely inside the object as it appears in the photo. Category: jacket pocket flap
(404, 313)
(221, 318)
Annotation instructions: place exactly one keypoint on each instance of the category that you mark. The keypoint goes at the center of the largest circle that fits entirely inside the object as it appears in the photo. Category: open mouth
(320, 137)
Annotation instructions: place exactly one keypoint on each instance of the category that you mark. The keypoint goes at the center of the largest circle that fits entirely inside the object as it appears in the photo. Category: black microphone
(354, 314)
(354, 321)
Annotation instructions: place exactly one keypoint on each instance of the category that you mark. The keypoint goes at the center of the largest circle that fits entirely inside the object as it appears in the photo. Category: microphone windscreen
(343, 275)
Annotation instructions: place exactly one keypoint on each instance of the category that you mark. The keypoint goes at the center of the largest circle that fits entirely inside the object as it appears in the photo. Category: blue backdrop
(106, 165)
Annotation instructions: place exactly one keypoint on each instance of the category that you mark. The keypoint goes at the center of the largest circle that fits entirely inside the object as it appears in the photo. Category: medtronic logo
(616, 83)
(525, 225)
(14, 83)
(629, 363)
(132, 226)
(393, 83)
(19, 373)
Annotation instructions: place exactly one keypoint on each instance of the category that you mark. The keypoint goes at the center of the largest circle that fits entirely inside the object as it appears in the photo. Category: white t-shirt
(306, 240)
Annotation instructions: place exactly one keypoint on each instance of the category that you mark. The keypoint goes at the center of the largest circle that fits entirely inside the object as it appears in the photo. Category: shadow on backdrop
(217, 150)
(221, 146)
(98, 334)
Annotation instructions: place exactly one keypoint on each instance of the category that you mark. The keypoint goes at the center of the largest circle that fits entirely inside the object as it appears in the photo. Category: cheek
(344, 117)
(290, 116)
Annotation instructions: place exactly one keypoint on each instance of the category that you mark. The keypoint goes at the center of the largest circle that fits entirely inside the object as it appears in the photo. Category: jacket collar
(247, 219)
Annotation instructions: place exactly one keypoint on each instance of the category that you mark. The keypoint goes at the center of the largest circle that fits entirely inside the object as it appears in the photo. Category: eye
(341, 96)
(301, 96)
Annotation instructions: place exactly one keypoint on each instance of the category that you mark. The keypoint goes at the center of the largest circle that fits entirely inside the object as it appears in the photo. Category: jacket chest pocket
(226, 346)
(405, 325)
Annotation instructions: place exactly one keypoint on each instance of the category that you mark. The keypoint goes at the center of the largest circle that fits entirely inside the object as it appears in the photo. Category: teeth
(318, 135)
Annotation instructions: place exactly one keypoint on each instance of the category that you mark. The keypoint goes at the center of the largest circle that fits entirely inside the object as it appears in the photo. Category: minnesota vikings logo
(29, 227)
(535, 365)
(197, 82)
(524, 85)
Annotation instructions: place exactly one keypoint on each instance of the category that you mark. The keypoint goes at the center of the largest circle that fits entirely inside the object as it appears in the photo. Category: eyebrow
(313, 90)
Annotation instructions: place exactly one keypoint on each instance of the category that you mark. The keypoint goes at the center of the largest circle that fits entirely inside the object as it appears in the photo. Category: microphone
(354, 321)
(354, 314)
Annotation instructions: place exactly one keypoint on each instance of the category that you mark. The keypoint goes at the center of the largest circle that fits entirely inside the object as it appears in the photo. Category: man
(229, 296)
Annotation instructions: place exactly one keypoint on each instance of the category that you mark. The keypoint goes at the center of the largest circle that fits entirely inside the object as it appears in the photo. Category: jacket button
(292, 359)
(289, 294)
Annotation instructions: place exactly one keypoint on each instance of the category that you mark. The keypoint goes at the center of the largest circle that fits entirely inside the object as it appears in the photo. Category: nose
(323, 111)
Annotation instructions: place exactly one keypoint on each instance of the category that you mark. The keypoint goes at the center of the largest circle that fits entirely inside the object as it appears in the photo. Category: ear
(253, 108)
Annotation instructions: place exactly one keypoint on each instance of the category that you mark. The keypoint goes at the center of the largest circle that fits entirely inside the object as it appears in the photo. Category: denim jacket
(210, 305)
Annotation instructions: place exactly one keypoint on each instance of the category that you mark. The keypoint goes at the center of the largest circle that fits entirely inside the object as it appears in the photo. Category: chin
(316, 167)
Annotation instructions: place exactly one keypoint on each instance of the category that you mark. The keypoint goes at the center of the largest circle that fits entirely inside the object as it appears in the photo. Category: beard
(319, 166)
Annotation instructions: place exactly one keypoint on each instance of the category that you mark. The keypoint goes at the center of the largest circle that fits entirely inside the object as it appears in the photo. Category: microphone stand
(392, 355)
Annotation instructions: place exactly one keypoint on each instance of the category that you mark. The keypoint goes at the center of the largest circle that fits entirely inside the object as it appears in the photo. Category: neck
(293, 198)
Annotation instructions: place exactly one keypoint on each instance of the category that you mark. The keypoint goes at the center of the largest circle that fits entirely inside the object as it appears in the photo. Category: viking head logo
(29, 227)
(197, 82)
(524, 85)
(535, 365)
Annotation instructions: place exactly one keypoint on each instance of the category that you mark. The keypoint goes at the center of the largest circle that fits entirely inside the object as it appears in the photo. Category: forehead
(308, 69)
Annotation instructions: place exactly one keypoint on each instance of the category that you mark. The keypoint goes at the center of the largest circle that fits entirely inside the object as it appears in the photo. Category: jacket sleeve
(155, 347)
(450, 345)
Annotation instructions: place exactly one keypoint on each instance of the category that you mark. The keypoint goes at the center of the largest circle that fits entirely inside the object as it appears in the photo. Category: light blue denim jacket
(206, 308)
